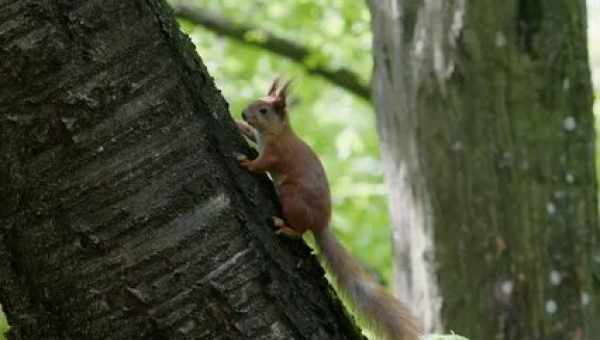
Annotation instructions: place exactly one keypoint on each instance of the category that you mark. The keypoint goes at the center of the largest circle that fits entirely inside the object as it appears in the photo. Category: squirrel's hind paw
(283, 229)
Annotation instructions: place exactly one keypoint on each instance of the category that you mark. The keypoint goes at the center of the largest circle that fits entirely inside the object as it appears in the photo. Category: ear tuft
(280, 94)
(285, 90)
(274, 86)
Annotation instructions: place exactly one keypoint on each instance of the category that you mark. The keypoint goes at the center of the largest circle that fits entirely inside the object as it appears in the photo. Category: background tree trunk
(485, 116)
(123, 213)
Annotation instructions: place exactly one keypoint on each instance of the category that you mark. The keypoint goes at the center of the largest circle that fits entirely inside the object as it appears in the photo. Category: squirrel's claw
(240, 157)
(278, 221)
(283, 229)
(246, 130)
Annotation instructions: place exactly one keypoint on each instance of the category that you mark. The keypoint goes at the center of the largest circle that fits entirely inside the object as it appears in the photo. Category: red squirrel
(303, 190)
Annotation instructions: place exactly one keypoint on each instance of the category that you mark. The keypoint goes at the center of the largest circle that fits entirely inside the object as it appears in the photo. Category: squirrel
(303, 190)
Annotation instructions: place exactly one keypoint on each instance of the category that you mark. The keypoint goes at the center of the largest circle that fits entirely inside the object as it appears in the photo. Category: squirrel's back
(302, 180)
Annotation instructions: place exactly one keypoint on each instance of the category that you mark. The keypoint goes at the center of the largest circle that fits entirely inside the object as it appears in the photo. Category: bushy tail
(389, 318)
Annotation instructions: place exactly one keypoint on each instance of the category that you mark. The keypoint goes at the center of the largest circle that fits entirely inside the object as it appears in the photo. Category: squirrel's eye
(263, 110)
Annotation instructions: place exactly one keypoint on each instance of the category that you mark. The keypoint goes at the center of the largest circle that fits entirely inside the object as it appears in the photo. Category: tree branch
(260, 38)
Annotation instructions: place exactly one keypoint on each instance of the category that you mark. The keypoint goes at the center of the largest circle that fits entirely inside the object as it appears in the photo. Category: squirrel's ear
(280, 103)
(273, 90)
(284, 92)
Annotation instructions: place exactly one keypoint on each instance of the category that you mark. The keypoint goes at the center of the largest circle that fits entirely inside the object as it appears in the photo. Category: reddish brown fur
(303, 190)
(297, 172)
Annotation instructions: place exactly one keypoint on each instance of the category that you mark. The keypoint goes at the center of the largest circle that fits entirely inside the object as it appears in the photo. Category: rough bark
(485, 115)
(123, 213)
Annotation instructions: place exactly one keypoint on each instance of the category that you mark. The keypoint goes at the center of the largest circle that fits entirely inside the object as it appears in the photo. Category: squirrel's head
(269, 114)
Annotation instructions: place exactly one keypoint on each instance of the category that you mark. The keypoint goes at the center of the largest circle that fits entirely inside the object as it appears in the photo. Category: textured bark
(123, 213)
(485, 115)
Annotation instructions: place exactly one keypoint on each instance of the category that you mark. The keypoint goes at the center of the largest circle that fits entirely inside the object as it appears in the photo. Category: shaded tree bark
(485, 115)
(123, 213)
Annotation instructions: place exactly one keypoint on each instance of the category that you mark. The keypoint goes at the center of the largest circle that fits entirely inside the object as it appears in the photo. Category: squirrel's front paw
(244, 161)
(243, 126)
(246, 130)
(240, 157)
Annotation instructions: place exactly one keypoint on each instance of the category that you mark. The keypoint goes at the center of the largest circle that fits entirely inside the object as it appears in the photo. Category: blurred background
(594, 50)
(338, 124)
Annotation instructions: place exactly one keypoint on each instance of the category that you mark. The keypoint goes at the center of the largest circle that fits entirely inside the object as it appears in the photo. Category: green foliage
(339, 126)
(3, 325)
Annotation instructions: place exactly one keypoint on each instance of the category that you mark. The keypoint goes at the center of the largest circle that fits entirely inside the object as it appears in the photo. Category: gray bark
(123, 213)
(485, 115)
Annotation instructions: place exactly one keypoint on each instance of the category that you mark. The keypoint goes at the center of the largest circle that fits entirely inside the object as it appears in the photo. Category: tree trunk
(123, 213)
(485, 115)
